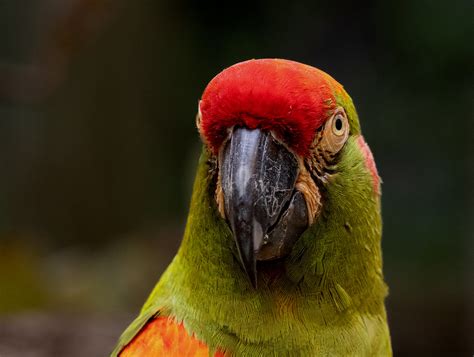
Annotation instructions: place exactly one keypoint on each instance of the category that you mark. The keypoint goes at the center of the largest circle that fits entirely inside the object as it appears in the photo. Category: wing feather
(152, 335)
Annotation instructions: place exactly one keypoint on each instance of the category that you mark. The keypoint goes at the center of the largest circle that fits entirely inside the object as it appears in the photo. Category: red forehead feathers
(289, 98)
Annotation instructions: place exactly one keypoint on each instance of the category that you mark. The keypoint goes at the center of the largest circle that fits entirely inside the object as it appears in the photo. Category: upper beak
(264, 211)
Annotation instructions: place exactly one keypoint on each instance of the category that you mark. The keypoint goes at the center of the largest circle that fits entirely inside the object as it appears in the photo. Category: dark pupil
(338, 124)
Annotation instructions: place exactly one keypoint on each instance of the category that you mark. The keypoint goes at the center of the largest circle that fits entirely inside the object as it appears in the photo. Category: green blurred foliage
(20, 280)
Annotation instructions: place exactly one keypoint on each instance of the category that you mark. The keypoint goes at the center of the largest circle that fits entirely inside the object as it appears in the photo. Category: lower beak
(265, 212)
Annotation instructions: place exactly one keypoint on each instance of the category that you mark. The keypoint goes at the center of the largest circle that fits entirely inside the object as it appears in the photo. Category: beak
(265, 212)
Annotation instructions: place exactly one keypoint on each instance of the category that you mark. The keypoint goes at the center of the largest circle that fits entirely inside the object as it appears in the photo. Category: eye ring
(335, 132)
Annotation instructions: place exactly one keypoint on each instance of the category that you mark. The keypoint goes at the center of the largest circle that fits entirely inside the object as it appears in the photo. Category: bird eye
(338, 125)
(336, 132)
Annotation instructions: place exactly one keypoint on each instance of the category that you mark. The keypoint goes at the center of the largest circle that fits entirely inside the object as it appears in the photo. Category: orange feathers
(164, 337)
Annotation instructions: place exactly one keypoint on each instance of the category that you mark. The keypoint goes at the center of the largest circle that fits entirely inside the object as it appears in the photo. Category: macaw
(281, 254)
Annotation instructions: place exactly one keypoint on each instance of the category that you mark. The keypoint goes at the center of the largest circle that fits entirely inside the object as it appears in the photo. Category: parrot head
(287, 195)
(278, 132)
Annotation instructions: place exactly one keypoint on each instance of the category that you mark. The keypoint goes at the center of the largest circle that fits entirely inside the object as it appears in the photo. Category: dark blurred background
(98, 149)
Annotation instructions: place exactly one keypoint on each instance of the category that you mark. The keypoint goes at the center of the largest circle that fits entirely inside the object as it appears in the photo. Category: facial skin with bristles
(259, 130)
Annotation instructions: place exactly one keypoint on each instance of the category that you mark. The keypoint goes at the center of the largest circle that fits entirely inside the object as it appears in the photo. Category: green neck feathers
(327, 296)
